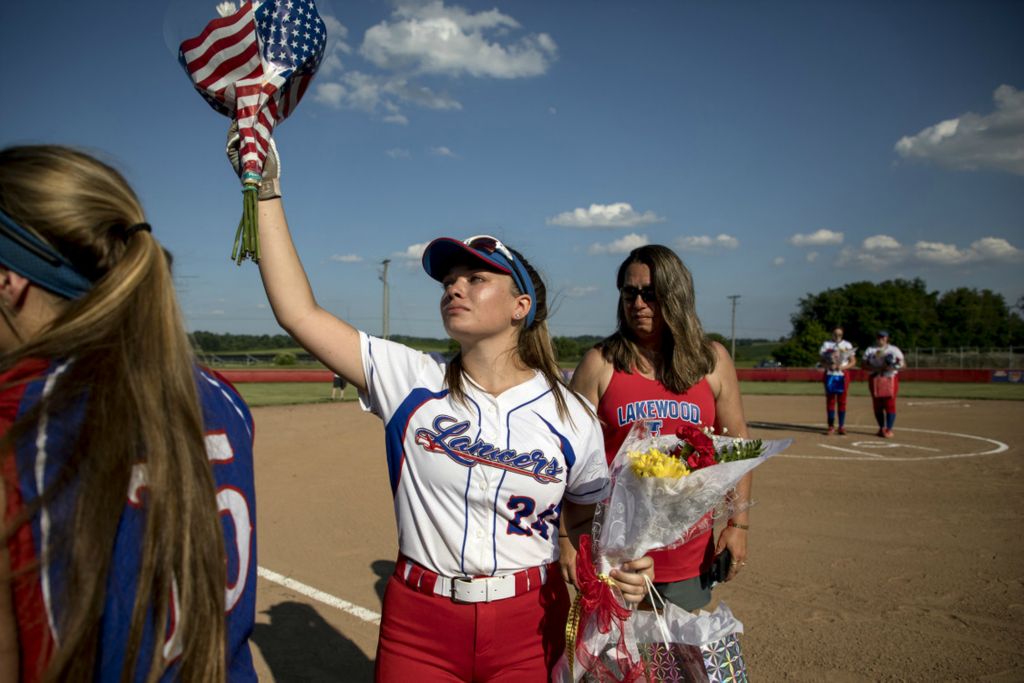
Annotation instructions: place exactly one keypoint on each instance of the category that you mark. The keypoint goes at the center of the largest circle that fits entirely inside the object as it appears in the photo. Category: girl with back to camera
(486, 452)
(659, 353)
(120, 457)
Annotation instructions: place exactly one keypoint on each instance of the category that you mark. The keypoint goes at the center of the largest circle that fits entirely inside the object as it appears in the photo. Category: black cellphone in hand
(720, 567)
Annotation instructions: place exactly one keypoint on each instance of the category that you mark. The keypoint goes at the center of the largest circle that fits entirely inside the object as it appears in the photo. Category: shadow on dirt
(299, 645)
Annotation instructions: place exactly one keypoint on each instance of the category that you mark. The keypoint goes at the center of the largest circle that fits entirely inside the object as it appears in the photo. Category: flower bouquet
(253, 65)
(663, 489)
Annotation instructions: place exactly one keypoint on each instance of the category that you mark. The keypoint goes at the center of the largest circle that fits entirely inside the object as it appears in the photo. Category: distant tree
(566, 349)
(801, 349)
(968, 317)
(714, 336)
(903, 307)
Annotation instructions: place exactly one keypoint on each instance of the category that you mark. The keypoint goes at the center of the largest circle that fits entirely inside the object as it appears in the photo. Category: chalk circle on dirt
(878, 450)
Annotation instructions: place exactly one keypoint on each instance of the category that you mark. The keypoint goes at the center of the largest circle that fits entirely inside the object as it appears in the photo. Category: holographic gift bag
(677, 646)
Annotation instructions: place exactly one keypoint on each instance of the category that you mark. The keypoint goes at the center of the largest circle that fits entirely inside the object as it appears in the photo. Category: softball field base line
(999, 447)
(358, 612)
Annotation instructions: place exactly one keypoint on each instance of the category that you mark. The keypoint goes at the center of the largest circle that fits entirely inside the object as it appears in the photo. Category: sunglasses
(490, 245)
(630, 293)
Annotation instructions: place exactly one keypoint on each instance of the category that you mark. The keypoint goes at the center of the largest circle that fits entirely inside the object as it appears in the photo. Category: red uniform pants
(426, 638)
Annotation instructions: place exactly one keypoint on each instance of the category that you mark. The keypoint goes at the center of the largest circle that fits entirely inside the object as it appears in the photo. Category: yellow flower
(654, 463)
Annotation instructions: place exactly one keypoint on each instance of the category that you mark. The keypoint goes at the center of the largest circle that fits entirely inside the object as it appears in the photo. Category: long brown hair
(131, 366)
(686, 352)
(533, 347)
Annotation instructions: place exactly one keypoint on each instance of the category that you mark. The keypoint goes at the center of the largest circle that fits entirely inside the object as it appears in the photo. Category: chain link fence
(966, 357)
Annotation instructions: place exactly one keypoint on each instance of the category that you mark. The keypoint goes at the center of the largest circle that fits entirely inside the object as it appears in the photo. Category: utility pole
(386, 314)
(734, 297)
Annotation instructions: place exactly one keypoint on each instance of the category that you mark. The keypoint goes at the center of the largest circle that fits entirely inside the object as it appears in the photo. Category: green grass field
(289, 393)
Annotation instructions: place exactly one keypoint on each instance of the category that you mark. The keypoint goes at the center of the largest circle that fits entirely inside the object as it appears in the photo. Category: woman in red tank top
(659, 365)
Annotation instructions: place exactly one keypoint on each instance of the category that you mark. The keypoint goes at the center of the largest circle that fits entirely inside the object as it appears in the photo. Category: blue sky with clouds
(781, 148)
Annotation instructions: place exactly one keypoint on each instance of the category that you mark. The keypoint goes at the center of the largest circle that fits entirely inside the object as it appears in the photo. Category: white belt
(479, 589)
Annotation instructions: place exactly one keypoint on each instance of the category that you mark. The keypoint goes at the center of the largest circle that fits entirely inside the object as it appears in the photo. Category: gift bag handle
(659, 617)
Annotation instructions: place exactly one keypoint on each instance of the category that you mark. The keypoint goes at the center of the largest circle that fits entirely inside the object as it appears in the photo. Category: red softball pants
(426, 638)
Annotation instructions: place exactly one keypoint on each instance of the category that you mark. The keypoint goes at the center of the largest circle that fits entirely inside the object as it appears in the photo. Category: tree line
(913, 316)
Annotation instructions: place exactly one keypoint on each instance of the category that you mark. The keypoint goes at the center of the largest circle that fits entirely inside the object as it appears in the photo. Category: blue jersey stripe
(394, 432)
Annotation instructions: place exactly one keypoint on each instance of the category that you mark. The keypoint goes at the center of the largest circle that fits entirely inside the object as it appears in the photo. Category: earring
(518, 316)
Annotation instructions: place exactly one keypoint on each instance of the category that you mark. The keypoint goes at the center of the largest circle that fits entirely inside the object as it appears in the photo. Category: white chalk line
(939, 403)
(369, 616)
(999, 447)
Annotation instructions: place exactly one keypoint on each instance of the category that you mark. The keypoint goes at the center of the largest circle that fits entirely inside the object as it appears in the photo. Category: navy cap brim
(445, 252)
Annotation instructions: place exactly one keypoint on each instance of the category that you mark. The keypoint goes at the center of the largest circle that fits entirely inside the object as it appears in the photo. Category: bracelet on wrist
(735, 525)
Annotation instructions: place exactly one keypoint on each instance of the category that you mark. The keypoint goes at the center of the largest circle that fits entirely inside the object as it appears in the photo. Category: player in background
(659, 365)
(837, 356)
(120, 457)
(486, 452)
(883, 361)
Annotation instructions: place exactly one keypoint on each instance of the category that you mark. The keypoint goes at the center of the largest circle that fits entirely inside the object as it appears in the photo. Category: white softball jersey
(886, 361)
(844, 349)
(478, 486)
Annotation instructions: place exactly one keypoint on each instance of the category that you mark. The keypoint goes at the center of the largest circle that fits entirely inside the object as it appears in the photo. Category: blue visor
(32, 258)
(445, 252)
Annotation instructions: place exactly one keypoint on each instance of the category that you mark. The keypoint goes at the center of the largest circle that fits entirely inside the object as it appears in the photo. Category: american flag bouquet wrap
(666, 489)
(253, 65)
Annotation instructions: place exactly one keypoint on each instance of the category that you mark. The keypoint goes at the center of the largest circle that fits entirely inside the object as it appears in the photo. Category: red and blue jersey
(36, 549)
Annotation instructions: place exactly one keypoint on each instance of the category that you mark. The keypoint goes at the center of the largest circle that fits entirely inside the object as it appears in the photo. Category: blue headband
(34, 259)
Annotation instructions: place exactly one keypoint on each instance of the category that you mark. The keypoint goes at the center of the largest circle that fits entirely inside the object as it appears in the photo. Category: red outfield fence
(749, 374)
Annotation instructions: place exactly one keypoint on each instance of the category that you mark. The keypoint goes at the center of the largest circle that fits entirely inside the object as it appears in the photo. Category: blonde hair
(686, 353)
(533, 348)
(132, 369)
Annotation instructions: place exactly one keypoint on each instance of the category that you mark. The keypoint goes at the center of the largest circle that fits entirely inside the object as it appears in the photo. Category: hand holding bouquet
(663, 488)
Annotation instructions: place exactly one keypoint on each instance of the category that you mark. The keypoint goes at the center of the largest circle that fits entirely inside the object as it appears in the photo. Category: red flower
(703, 454)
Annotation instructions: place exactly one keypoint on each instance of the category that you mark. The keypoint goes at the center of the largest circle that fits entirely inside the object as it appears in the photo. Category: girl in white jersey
(486, 452)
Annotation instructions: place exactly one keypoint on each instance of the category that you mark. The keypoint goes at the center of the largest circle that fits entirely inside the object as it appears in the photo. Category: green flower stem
(248, 236)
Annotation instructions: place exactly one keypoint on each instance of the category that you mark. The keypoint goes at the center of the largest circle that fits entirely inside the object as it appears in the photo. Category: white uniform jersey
(478, 487)
(887, 360)
(842, 351)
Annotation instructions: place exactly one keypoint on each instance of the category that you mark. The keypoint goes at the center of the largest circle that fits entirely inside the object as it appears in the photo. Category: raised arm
(330, 339)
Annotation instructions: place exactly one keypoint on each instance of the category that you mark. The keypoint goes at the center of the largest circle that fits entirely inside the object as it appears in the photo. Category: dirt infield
(870, 560)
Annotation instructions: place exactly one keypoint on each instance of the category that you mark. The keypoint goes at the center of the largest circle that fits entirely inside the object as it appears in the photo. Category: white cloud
(876, 242)
(579, 291)
(819, 238)
(331, 94)
(623, 245)
(811, 256)
(702, 242)
(337, 33)
(379, 93)
(346, 258)
(618, 215)
(985, 250)
(398, 153)
(442, 151)
(975, 141)
(778, 261)
(996, 249)
(431, 38)
(412, 254)
(882, 251)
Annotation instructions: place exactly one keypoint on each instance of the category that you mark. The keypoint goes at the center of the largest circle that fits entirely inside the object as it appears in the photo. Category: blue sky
(781, 147)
